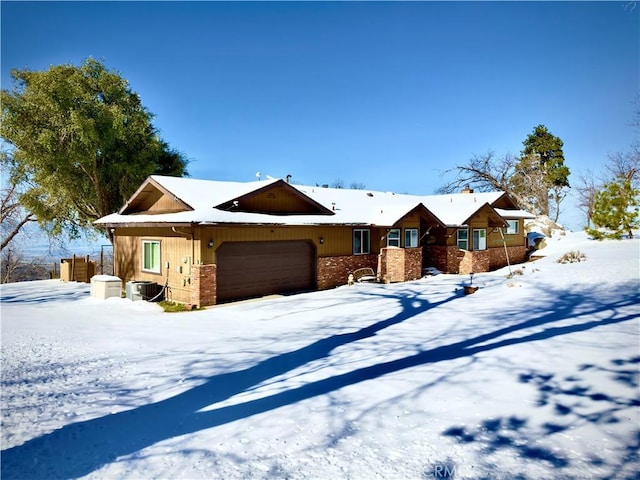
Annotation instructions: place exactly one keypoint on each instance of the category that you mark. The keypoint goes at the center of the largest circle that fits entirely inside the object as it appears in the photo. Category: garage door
(251, 269)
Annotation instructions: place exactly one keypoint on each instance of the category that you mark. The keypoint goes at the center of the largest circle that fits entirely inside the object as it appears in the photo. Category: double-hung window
(410, 237)
(479, 239)
(151, 256)
(462, 238)
(512, 229)
(361, 241)
(393, 237)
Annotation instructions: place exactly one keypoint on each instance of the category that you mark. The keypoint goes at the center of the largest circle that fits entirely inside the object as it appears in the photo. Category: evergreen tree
(80, 143)
(615, 210)
(548, 163)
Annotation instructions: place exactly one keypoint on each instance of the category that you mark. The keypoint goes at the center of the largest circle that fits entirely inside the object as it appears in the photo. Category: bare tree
(357, 186)
(13, 216)
(586, 188)
(483, 172)
(15, 266)
(338, 183)
(488, 173)
(625, 165)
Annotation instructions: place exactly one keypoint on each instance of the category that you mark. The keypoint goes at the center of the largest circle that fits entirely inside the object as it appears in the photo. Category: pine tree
(543, 155)
(615, 210)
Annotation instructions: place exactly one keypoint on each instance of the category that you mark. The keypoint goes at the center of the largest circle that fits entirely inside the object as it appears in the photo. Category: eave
(148, 224)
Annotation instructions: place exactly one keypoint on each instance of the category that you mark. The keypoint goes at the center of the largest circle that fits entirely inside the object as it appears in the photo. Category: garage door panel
(248, 269)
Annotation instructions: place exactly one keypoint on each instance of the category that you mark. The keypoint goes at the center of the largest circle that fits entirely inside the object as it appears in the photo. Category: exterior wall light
(321, 240)
(210, 244)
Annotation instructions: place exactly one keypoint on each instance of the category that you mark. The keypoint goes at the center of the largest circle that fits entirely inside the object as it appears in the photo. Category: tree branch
(26, 219)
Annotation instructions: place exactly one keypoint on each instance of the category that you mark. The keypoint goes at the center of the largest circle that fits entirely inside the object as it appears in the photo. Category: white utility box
(105, 286)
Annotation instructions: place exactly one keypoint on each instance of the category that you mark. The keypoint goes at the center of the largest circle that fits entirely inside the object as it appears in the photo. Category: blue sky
(387, 94)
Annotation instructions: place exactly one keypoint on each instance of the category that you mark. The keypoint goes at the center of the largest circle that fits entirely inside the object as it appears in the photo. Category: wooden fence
(77, 269)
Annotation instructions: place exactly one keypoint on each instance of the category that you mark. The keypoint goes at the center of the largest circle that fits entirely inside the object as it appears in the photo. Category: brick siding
(445, 259)
(203, 285)
(452, 260)
(391, 264)
(499, 259)
(412, 263)
(476, 261)
(334, 271)
(400, 264)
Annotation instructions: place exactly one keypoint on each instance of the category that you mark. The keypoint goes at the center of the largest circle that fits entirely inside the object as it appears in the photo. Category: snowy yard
(531, 377)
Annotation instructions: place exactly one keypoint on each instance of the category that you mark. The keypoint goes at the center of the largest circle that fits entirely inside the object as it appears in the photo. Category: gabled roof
(300, 203)
(191, 192)
(162, 200)
(458, 208)
(148, 194)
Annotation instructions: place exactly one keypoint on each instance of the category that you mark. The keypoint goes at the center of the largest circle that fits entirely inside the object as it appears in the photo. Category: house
(215, 241)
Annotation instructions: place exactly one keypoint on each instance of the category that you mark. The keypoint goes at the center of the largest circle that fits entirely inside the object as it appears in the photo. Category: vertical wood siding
(278, 200)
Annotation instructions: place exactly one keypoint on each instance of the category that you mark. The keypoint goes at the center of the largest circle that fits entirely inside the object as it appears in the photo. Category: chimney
(467, 189)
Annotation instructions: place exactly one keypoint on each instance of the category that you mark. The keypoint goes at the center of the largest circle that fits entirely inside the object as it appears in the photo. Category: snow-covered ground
(533, 376)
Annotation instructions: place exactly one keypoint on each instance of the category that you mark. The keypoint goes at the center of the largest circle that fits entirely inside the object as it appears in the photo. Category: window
(393, 237)
(479, 239)
(410, 237)
(462, 239)
(512, 229)
(151, 256)
(361, 242)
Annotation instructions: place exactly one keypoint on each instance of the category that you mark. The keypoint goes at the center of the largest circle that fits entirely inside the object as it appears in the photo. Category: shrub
(172, 307)
(574, 256)
(519, 271)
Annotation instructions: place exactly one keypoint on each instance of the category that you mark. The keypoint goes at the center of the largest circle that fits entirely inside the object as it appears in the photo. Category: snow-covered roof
(342, 206)
(514, 213)
(457, 208)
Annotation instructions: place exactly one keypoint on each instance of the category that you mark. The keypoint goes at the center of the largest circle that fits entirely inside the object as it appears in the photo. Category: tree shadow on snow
(574, 401)
(80, 448)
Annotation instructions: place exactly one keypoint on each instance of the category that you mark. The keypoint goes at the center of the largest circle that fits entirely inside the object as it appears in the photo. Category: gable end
(278, 198)
(153, 198)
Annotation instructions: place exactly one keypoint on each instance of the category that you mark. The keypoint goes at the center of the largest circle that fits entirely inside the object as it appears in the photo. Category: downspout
(506, 251)
(112, 237)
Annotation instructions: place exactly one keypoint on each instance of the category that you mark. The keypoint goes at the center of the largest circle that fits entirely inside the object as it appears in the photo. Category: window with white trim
(479, 239)
(393, 237)
(462, 238)
(151, 256)
(512, 229)
(361, 241)
(410, 237)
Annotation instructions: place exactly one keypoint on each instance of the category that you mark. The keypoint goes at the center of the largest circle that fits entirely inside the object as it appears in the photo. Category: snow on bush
(575, 256)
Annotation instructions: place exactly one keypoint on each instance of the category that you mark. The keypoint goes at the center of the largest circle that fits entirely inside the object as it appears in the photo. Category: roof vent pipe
(288, 177)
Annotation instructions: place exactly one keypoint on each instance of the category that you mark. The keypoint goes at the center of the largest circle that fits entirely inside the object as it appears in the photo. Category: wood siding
(164, 205)
(175, 249)
(329, 240)
(276, 200)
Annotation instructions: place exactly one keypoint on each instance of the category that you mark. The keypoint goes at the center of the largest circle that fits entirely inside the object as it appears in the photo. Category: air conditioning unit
(151, 291)
(135, 290)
